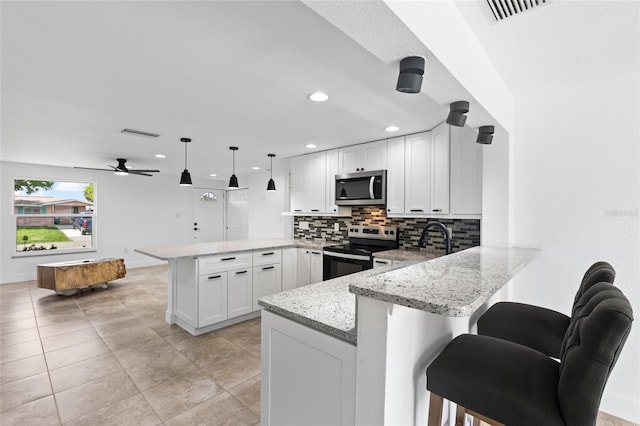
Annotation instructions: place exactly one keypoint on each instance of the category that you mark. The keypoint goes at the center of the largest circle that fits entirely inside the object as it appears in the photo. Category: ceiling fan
(121, 169)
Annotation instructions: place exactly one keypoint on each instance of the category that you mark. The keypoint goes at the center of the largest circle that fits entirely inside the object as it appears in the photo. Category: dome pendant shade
(185, 178)
(410, 77)
(271, 185)
(233, 181)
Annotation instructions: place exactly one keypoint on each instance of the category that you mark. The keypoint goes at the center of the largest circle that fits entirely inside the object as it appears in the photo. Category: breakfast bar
(365, 356)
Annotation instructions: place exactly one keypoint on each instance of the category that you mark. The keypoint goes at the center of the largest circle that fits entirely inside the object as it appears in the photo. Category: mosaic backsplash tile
(465, 232)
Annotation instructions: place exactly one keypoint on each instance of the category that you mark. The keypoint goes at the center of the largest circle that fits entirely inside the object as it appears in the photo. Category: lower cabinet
(266, 280)
(310, 266)
(289, 268)
(212, 298)
(239, 292)
(308, 377)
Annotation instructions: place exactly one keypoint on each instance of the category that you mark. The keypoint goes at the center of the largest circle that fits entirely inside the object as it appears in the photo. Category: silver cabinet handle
(371, 186)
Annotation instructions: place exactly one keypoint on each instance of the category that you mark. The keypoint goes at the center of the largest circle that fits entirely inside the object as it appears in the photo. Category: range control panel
(373, 232)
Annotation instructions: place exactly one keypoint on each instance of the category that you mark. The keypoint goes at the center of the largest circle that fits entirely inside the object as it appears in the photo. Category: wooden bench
(68, 277)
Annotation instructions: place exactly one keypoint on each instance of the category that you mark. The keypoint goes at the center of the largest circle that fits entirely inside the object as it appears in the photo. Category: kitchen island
(363, 352)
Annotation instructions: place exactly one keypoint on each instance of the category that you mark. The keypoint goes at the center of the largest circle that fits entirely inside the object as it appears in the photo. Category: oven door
(339, 264)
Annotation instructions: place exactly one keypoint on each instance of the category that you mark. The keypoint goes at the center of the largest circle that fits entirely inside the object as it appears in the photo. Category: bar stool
(502, 382)
(536, 327)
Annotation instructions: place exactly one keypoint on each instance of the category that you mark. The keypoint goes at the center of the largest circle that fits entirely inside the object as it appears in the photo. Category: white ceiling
(74, 74)
(237, 73)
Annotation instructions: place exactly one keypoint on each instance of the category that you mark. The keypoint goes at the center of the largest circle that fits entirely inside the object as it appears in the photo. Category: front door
(208, 215)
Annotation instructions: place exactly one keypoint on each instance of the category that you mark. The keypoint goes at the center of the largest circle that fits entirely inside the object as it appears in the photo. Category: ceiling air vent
(139, 133)
(503, 9)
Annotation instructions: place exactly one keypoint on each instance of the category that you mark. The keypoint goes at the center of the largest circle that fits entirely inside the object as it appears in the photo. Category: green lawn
(40, 234)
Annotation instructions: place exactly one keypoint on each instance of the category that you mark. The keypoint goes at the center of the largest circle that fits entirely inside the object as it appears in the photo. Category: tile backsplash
(465, 232)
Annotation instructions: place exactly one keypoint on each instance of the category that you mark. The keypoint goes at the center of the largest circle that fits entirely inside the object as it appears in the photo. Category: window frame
(17, 253)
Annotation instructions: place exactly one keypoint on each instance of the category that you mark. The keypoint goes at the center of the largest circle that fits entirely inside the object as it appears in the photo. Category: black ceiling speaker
(457, 111)
(410, 77)
(271, 185)
(185, 177)
(233, 181)
(485, 134)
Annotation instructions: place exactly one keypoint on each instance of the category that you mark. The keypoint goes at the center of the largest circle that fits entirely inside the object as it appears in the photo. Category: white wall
(265, 208)
(133, 211)
(576, 177)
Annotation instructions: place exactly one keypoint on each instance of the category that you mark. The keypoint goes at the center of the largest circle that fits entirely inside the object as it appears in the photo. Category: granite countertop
(407, 255)
(327, 306)
(454, 285)
(223, 247)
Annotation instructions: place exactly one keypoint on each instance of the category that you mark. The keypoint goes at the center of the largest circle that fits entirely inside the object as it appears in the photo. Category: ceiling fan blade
(138, 172)
(92, 168)
(143, 171)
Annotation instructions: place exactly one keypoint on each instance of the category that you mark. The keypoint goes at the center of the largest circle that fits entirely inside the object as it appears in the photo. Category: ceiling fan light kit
(185, 177)
(233, 181)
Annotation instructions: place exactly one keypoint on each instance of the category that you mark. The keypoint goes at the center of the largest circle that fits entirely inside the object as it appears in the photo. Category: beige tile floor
(107, 357)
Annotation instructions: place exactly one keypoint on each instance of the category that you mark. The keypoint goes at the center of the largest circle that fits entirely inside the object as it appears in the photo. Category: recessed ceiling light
(255, 168)
(310, 146)
(161, 156)
(391, 129)
(213, 175)
(318, 97)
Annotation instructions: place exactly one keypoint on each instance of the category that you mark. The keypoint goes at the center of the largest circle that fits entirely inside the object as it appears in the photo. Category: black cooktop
(361, 249)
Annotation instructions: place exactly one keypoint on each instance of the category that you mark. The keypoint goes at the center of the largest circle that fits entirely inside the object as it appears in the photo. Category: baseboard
(620, 406)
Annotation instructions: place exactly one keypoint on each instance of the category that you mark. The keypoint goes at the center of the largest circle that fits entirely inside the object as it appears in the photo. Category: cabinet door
(395, 176)
(315, 266)
(315, 182)
(332, 164)
(350, 159)
(298, 198)
(289, 268)
(417, 173)
(266, 280)
(304, 267)
(239, 292)
(374, 156)
(440, 169)
(212, 298)
(466, 172)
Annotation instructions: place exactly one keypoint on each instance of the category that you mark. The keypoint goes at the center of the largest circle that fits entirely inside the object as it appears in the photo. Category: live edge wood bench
(67, 278)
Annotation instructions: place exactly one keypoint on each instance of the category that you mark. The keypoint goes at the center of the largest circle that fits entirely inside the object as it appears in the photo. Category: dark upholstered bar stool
(502, 382)
(536, 327)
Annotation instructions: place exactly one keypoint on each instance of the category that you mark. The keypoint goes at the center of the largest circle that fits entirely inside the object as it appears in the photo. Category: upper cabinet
(363, 158)
(466, 172)
(395, 176)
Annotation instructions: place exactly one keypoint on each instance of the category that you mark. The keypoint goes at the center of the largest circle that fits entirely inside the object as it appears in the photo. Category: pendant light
(271, 186)
(233, 181)
(185, 178)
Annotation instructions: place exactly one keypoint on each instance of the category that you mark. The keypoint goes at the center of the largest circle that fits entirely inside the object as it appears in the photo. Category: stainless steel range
(357, 255)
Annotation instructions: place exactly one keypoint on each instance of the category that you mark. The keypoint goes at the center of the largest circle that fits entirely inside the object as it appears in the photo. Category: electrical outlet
(336, 227)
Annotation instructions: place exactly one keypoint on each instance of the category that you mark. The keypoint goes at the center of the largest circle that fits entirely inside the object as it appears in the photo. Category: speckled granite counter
(327, 306)
(454, 285)
(406, 255)
(222, 247)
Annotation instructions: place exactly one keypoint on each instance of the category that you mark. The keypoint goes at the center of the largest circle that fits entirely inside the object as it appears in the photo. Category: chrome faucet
(447, 236)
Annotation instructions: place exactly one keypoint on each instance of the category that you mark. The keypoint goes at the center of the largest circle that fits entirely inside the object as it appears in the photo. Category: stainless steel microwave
(362, 189)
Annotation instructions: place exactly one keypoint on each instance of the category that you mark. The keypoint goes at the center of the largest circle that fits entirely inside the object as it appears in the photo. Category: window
(53, 216)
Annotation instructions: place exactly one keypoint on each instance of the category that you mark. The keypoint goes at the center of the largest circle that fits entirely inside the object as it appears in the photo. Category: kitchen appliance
(362, 189)
(357, 255)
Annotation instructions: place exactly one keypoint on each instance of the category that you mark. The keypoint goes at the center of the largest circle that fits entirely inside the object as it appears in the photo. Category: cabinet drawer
(207, 265)
(267, 257)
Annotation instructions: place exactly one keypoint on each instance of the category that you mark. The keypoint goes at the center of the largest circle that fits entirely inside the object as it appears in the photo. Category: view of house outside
(53, 215)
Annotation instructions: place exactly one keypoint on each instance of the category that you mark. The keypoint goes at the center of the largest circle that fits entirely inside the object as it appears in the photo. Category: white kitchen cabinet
(332, 169)
(466, 172)
(440, 148)
(212, 298)
(308, 377)
(289, 268)
(239, 292)
(267, 280)
(395, 176)
(363, 157)
(308, 183)
(417, 163)
(310, 266)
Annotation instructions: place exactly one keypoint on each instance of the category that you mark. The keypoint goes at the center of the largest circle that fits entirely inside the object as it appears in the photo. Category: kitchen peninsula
(361, 343)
